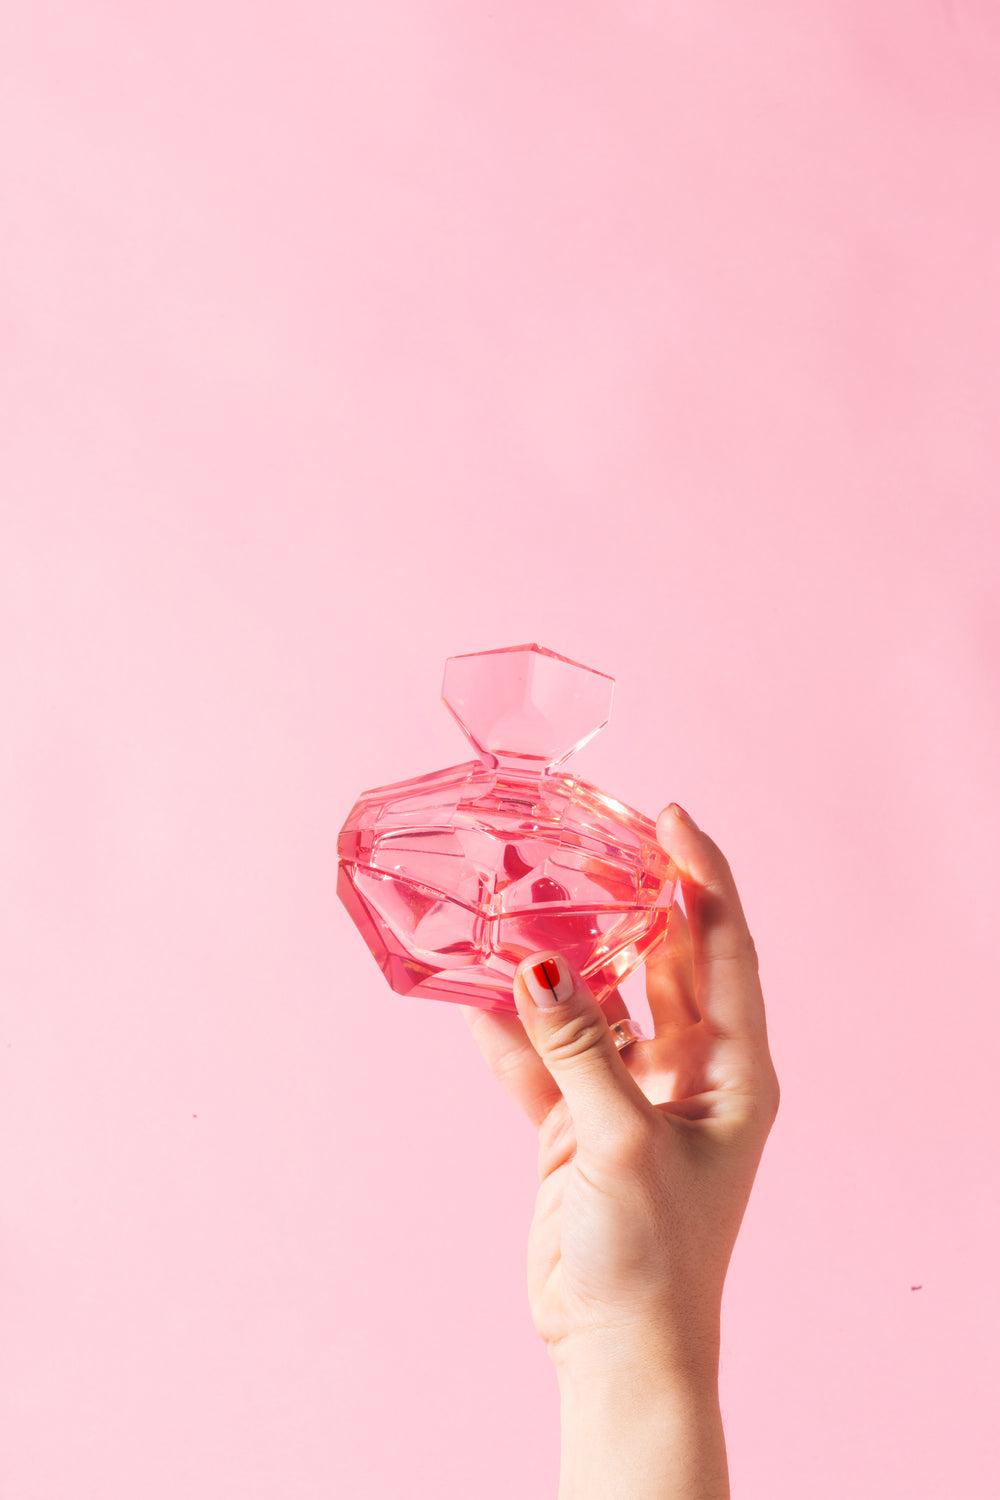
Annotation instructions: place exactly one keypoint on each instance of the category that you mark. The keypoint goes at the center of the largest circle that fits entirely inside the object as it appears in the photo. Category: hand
(646, 1156)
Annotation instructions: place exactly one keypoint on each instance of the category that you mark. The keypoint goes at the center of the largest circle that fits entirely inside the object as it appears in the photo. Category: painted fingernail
(547, 979)
(685, 817)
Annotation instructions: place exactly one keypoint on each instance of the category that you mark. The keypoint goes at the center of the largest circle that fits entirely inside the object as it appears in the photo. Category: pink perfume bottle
(455, 877)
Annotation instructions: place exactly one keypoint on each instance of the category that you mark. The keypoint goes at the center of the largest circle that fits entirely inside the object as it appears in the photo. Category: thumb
(571, 1035)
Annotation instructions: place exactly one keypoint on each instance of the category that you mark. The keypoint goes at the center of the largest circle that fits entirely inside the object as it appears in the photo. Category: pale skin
(646, 1161)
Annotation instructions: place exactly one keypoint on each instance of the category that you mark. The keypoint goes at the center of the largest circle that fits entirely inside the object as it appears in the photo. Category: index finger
(726, 971)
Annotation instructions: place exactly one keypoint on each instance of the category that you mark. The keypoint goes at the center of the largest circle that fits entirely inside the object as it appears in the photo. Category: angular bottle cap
(525, 706)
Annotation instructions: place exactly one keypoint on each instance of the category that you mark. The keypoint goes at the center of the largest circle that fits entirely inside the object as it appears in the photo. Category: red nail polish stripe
(546, 973)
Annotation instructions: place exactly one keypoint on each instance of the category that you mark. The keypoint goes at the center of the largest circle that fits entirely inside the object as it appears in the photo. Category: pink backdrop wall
(337, 339)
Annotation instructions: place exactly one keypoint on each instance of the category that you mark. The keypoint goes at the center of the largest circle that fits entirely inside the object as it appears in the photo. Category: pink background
(337, 339)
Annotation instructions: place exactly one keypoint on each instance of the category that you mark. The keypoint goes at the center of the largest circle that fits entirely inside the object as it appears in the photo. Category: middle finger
(670, 977)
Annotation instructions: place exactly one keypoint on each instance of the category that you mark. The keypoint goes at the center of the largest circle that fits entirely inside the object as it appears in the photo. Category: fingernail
(685, 817)
(547, 979)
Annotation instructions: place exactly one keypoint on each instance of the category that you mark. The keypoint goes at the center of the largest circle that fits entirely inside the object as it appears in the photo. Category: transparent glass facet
(455, 877)
(524, 705)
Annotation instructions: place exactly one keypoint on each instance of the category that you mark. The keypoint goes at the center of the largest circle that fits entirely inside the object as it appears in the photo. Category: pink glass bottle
(455, 877)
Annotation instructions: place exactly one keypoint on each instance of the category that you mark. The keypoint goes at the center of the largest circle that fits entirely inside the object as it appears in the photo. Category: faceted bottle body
(456, 877)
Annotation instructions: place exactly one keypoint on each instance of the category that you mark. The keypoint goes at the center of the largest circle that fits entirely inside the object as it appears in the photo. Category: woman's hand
(646, 1156)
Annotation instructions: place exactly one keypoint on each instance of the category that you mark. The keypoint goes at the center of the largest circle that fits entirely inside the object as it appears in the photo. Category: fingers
(513, 1061)
(670, 977)
(727, 988)
(571, 1037)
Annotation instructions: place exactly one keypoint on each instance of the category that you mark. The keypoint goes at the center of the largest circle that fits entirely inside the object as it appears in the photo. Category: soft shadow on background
(336, 340)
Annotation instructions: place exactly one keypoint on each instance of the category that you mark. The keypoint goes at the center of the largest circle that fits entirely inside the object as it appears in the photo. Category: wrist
(640, 1418)
(612, 1377)
(654, 1355)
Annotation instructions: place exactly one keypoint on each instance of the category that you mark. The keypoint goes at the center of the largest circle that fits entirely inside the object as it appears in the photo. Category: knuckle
(575, 1038)
(744, 946)
(741, 951)
(746, 949)
(760, 1096)
(767, 1098)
